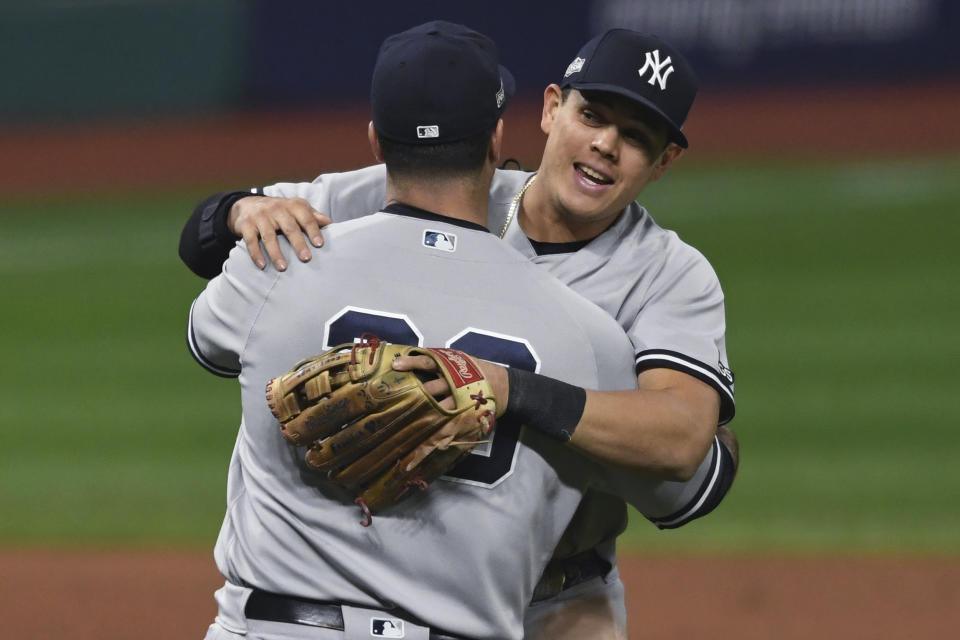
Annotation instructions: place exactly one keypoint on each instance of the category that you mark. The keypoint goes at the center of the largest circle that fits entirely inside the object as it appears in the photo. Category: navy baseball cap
(438, 82)
(641, 67)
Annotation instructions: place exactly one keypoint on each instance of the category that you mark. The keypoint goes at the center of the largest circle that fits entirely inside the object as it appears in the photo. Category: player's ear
(374, 143)
(669, 155)
(552, 99)
(496, 143)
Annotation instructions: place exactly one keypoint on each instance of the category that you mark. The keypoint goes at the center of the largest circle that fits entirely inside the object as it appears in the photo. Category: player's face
(602, 150)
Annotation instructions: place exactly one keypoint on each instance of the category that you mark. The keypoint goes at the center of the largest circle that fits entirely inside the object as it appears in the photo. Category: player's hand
(258, 218)
(495, 374)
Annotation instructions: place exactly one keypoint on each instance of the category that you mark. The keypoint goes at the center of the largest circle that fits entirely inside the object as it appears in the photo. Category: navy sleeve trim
(710, 494)
(202, 360)
(721, 381)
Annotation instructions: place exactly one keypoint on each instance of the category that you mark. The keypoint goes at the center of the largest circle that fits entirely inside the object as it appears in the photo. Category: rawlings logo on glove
(377, 432)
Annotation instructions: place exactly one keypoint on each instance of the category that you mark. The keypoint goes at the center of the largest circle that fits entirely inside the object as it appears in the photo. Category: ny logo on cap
(428, 131)
(655, 66)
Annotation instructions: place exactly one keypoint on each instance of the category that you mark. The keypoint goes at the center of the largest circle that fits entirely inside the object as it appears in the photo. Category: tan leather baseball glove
(377, 432)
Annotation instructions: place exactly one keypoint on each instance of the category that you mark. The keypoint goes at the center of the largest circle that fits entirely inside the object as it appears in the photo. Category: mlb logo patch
(386, 628)
(428, 131)
(440, 240)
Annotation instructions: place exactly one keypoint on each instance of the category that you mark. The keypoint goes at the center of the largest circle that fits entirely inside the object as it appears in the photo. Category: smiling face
(602, 150)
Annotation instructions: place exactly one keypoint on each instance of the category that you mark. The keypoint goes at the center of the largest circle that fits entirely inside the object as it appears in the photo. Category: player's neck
(464, 200)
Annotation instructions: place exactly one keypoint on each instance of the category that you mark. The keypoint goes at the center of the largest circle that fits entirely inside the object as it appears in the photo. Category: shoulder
(367, 175)
(350, 228)
(332, 193)
(579, 319)
(506, 184)
(676, 259)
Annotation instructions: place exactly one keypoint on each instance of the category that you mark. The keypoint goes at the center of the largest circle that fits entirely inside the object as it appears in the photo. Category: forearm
(656, 432)
(664, 429)
(205, 241)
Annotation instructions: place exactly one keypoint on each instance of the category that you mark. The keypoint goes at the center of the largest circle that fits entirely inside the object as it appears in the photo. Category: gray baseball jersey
(465, 555)
(662, 292)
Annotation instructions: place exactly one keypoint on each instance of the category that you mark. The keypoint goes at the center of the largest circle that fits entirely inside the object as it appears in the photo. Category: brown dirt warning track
(122, 595)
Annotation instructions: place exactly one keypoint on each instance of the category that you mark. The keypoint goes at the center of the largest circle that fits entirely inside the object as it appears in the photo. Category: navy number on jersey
(490, 463)
(343, 327)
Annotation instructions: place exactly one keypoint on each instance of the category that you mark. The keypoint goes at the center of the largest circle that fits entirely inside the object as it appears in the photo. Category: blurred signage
(759, 41)
(153, 57)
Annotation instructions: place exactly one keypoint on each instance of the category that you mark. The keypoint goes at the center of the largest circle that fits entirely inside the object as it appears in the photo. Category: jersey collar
(401, 209)
(550, 248)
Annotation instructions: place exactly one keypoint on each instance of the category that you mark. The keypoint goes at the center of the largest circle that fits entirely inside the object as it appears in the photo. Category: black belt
(272, 607)
(569, 572)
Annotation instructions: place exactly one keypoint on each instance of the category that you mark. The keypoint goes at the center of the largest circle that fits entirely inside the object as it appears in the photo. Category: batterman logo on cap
(501, 96)
(440, 240)
(428, 131)
(386, 628)
(653, 63)
(574, 66)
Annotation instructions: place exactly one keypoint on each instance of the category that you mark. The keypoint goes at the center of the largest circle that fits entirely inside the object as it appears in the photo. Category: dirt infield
(118, 595)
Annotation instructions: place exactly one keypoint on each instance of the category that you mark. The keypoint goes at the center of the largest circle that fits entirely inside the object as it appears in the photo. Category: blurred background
(822, 182)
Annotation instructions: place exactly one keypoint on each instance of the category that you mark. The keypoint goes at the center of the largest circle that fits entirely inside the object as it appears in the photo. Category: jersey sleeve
(710, 484)
(341, 196)
(672, 504)
(683, 328)
(222, 316)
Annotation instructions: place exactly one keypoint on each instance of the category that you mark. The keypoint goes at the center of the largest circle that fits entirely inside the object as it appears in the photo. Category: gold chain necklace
(515, 204)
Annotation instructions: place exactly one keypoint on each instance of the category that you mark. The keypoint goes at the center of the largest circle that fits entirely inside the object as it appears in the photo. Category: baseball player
(614, 125)
(462, 559)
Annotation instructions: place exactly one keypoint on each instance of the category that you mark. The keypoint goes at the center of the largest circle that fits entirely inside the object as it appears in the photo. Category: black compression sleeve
(548, 405)
(205, 241)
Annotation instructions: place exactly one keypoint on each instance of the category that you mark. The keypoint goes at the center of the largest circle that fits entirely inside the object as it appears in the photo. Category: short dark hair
(445, 159)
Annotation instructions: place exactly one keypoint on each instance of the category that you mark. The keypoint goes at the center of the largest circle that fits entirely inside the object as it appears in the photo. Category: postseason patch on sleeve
(462, 371)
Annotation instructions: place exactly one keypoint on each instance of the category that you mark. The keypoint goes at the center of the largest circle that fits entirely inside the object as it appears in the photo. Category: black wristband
(547, 405)
(213, 219)
(205, 241)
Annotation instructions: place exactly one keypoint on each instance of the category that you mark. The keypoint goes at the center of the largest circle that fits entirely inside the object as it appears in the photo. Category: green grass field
(843, 310)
